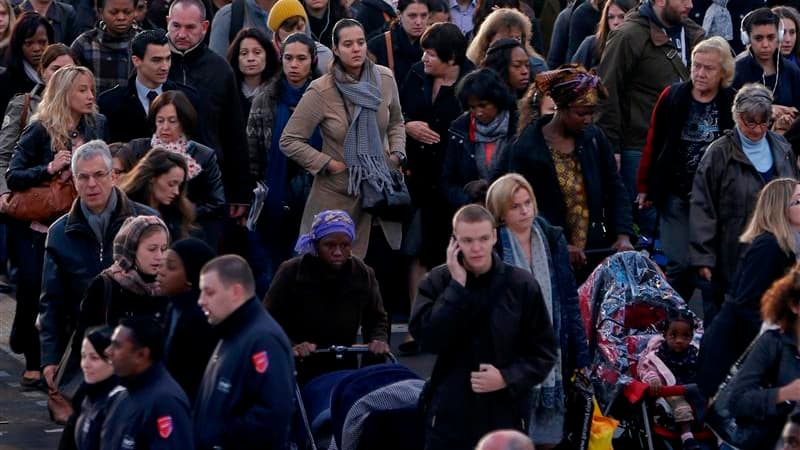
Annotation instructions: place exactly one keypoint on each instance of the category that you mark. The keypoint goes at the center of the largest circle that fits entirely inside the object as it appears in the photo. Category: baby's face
(678, 336)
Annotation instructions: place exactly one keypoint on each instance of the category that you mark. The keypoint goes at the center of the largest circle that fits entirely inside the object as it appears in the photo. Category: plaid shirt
(107, 56)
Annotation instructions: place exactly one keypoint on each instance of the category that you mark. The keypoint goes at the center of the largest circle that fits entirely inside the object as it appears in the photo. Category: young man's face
(153, 69)
(764, 42)
(475, 242)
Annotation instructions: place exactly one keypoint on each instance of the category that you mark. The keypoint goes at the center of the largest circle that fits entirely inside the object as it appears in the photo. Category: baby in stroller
(671, 359)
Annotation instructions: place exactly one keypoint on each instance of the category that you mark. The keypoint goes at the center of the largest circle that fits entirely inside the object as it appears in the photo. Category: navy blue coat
(72, 258)
(246, 399)
(153, 414)
(787, 92)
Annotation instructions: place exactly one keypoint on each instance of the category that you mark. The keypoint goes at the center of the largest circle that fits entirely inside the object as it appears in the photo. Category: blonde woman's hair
(502, 19)
(771, 214)
(500, 195)
(5, 38)
(719, 46)
(54, 110)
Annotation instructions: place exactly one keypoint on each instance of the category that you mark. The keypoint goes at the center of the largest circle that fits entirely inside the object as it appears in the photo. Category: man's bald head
(505, 440)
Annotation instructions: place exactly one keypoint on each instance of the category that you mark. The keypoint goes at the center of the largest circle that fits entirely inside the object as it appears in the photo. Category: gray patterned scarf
(363, 145)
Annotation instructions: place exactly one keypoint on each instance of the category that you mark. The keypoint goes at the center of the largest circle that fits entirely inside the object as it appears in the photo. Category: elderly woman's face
(707, 71)
(168, 126)
(753, 126)
(335, 249)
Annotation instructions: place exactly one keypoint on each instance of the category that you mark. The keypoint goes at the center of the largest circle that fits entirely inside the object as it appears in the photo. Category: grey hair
(753, 99)
(91, 150)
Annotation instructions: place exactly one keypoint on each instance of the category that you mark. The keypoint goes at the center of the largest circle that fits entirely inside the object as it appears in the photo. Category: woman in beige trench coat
(324, 104)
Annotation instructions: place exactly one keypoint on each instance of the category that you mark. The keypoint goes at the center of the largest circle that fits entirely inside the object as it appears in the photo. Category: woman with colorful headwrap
(570, 164)
(323, 296)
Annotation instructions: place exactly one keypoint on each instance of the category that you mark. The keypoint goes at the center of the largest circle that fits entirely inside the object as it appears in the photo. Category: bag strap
(106, 294)
(26, 109)
(677, 63)
(738, 365)
(237, 19)
(389, 49)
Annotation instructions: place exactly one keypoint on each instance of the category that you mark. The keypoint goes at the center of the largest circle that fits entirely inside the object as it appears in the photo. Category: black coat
(127, 119)
(373, 14)
(772, 364)
(499, 318)
(206, 189)
(607, 197)
(153, 414)
(211, 75)
(72, 259)
(425, 162)
(33, 152)
(406, 53)
(13, 81)
(62, 18)
(314, 303)
(98, 399)
(787, 93)
(739, 319)
(246, 400)
(459, 164)
(190, 342)
(664, 138)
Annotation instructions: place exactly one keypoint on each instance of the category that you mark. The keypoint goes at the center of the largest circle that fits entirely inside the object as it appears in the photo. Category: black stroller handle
(340, 350)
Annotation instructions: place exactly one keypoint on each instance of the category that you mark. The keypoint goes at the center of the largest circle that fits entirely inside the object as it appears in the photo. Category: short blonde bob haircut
(500, 195)
(719, 46)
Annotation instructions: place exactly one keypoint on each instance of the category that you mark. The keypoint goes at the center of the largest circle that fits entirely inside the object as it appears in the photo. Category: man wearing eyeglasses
(488, 325)
(78, 247)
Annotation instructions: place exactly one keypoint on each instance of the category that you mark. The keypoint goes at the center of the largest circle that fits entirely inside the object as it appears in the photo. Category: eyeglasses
(98, 176)
(752, 125)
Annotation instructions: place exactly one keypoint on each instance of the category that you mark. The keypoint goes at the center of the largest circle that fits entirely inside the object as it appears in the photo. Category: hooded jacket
(639, 61)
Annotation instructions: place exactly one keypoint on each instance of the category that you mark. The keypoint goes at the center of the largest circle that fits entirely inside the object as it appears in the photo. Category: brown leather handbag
(44, 203)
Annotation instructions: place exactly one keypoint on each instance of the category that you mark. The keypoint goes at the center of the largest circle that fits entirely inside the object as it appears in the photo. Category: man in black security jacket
(246, 399)
(154, 414)
(490, 328)
(193, 63)
(127, 106)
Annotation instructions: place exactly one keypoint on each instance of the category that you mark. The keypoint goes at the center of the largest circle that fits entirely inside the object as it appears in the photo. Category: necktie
(151, 96)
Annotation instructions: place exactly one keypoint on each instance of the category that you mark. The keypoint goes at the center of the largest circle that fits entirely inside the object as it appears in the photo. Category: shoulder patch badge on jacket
(164, 426)
(260, 361)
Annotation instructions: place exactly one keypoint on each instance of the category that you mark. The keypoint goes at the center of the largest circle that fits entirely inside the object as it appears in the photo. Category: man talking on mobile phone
(490, 328)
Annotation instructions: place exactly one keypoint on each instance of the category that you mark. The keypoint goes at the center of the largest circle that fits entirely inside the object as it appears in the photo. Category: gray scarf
(363, 145)
(99, 222)
(495, 131)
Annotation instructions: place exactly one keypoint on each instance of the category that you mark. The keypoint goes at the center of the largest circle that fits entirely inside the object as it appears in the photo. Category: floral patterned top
(570, 179)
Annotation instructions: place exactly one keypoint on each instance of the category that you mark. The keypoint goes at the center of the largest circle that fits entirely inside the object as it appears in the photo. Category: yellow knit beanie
(282, 10)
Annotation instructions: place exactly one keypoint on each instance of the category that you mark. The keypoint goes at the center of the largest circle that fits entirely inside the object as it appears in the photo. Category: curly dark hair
(777, 302)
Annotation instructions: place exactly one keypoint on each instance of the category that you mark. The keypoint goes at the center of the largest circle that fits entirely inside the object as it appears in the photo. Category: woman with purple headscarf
(322, 296)
(570, 165)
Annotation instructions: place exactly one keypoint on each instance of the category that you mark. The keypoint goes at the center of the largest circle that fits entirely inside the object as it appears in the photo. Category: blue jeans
(629, 165)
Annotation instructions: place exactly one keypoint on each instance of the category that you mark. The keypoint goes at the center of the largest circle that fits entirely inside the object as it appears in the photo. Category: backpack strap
(23, 116)
(389, 49)
(106, 294)
(237, 19)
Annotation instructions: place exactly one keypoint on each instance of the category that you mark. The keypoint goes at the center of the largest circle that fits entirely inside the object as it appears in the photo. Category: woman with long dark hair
(159, 180)
(173, 119)
(7, 20)
(589, 51)
(31, 35)
(254, 62)
(509, 59)
(288, 182)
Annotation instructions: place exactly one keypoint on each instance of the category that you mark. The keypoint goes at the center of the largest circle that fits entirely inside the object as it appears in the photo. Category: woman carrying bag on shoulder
(357, 108)
(66, 118)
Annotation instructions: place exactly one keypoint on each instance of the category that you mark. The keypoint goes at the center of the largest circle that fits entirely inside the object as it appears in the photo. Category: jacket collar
(52, 15)
(238, 320)
(313, 270)
(106, 37)
(778, 149)
(76, 221)
(145, 379)
(192, 54)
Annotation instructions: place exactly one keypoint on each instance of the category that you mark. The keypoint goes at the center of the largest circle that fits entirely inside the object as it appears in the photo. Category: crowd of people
(466, 164)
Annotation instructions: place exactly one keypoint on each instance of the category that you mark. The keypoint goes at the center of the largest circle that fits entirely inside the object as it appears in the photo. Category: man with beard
(761, 62)
(649, 52)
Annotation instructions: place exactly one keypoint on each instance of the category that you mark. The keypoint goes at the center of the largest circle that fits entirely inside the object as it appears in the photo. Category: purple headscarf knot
(325, 224)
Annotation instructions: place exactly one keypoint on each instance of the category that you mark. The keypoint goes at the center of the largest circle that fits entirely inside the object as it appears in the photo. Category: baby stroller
(622, 303)
(368, 408)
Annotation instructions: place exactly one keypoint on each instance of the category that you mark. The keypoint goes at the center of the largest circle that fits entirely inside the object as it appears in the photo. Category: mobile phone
(459, 255)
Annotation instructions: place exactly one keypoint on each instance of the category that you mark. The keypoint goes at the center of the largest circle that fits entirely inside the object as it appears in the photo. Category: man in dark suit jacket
(126, 106)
